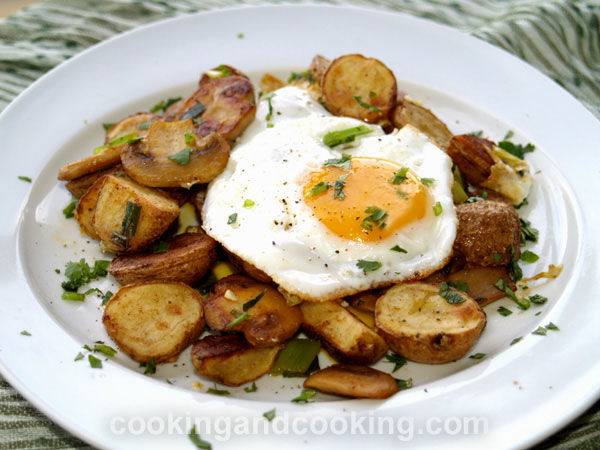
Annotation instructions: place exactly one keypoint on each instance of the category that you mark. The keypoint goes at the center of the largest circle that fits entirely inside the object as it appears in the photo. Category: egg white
(279, 234)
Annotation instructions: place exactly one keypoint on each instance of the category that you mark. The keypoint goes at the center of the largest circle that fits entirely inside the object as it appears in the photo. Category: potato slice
(270, 83)
(230, 360)
(342, 334)
(86, 207)
(246, 267)
(156, 214)
(271, 320)
(79, 186)
(359, 87)
(422, 326)
(187, 259)
(147, 161)
(229, 103)
(131, 124)
(154, 320)
(409, 112)
(353, 381)
(318, 67)
(107, 158)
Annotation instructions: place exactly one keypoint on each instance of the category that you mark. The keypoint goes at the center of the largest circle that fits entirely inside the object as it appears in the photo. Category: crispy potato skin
(187, 260)
(353, 381)
(471, 155)
(157, 213)
(197, 197)
(365, 301)
(272, 321)
(422, 326)
(147, 161)
(107, 158)
(230, 360)
(154, 320)
(408, 112)
(130, 124)
(86, 207)
(229, 103)
(342, 334)
(486, 228)
(247, 268)
(354, 75)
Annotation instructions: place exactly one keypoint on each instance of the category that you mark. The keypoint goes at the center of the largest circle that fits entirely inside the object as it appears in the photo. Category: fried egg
(324, 220)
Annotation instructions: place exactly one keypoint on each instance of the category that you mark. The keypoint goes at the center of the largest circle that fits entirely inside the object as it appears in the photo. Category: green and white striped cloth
(559, 37)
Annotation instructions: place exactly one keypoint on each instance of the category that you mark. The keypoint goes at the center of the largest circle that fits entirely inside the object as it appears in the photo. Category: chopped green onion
(541, 331)
(335, 138)
(366, 105)
(197, 441)
(105, 350)
(515, 340)
(552, 327)
(270, 415)
(268, 97)
(398, 361)
(162, 105)
(215, 391)
(502, 285)
(400, 176)
(79, 357)
(95, 363)
(478, 356)
(69, 210)
(239, 319)
(182, 157)
(250, 389)
(404, 384)
(296, 357)
(23, 178)
(106, 297)
(161, 247)
(254, 301)
(73, 296)
(427, 182)
(150, 367)
(317, 189)
(25, 333)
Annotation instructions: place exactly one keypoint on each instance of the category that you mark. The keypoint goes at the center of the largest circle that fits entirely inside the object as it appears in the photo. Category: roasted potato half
(359, 87)
(172, 156)
(353, 381)
(423, 326)
(155, 213)
(472, 156)
(318, 67)
(270, 83)
(86, 208)
(230, 360)
(109, 157)
(136, 123)
(154, 320)
(229, 106)
(270, 321)
(187, 258)
(79, 186)
(409, 112)
(342, 334)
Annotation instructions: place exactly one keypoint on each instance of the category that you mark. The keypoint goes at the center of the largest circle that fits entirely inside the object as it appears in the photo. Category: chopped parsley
(397, 248)
(372, 94)
(150, 367)
(514, 270)
(552, 327)
(540, 331)
(189, 138)
(197, 441)
(427, 182)
(69, 210)
(79, 357)
(368, 266)
(477, 133)
(182, 157)
(528, 233)
(107, 126)
(529, 256)
(270, 415)
(25, 333)
(161, 247)
(366, 105)
(504, 311)
(343, 162)
(193, 112)
(240, 35)
(538, 299)
(163, 105)
(338, 187)
(232, 219)
(502, 285)
(437, 208)
(317, 189)
(398, 361)
(215, 391)
(517, 150)
(335, 138)
(248, 203)
(515, 340)
(270, 125)
(23, 178)
(459, 285)
(80, 273)
(404, 384)
(105, 350)
(128, 138)
(497, 257)
(254, 301)
(400, 176)
(305, 396)
(450, 295)
(268, 97)
(95, 363)
(300, 76)
(251, 389)
(106, 297)
(376, 217)
(478, 356)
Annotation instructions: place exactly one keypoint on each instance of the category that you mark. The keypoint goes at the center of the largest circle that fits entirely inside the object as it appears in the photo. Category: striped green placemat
(559, 37)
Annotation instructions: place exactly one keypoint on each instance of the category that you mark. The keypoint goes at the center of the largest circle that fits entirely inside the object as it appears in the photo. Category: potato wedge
(149, 160)
(270, 83)
(353, 381)
(365, 300)
(359, 87)
(471, 155)
(342, 334)
(246, 267)
(420, 325)
(318, 67)
(230, 360)
(187, 259)
(229, 103)
(409, 112)
(86, 207)
(136, 123)
(154, 320)
(79, 186)
(107, 158)
(156, 213)
(271, 320)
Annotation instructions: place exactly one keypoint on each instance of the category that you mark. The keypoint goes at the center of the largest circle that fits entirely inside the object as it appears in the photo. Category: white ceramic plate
(522, 392)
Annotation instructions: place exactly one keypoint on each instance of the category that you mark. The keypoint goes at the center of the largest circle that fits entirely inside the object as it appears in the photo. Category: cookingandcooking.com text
(223, 428)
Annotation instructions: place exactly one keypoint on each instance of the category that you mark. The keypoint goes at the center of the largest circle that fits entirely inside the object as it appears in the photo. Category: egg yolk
(377, 198)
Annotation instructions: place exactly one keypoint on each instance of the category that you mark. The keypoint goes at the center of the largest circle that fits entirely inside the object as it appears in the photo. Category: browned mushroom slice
(138, 123)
